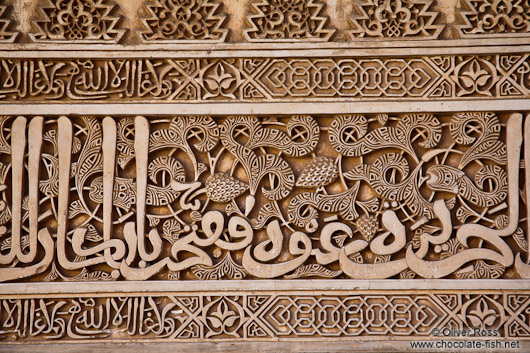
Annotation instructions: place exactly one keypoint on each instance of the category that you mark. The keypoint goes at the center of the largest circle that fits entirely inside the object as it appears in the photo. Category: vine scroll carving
(199, 197)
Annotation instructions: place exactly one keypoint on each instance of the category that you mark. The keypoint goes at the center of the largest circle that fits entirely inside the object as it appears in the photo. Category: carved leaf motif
(171, 230)
(520, 239)
(215, 322)
(321, 171)
(482, 269)
(153, 221)
(407, 274)
(382, 118)
(169, 165)
(92, 234)
(76, 208)
(223, 188)
(313, 270)
(4, 146)
(484, 146)
(226, 267)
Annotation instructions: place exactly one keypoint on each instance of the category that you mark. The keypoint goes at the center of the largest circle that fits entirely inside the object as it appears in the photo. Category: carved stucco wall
(344, 171)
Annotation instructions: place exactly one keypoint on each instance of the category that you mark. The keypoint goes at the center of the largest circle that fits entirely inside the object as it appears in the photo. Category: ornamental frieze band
(273, 315)
(259, 21)
(265, 79)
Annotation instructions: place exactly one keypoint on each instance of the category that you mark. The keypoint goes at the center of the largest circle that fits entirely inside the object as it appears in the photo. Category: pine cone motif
(367, 225)
(223, 188)
(321, 171)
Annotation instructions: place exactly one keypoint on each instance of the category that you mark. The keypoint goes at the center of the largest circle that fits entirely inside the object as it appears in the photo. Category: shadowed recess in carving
(6, 35)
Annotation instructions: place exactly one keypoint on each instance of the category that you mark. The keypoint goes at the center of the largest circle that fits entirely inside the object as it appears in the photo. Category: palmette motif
(199, 197)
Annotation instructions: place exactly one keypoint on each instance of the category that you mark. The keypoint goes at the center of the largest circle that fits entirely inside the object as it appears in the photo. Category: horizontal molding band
(152, 53)
(360, 47)
(224, 109)
(445, 285)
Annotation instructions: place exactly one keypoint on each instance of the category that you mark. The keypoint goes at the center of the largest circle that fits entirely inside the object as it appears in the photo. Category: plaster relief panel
(291, 20)
(344, 172)
(274, 315)
(199, 197)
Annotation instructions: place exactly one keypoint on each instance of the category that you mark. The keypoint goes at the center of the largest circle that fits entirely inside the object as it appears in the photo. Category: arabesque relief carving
(198, 197)
(288, 21)
(394, 19)
(266, 79)
(494, 17)
(88, 21)
(183, 21)
(298, 22)
(340, 172)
